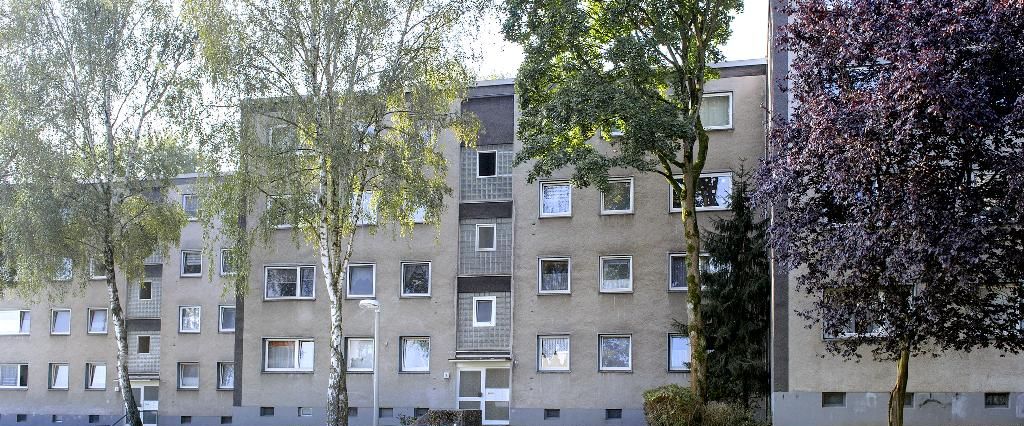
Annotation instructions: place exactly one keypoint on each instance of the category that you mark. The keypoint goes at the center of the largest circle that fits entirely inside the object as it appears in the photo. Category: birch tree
(95, 102)
(341, 105)
(619, 83)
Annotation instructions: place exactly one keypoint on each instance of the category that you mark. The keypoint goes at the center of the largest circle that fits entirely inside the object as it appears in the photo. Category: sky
(501, 59)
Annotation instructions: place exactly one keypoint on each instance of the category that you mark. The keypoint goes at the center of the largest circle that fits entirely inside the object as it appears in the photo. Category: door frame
(482, 367)
(141, 385)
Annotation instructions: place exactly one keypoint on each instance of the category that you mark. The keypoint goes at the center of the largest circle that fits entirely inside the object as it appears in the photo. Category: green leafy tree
(737, 289)
(610, 84)
(96, 101)
(342, 104)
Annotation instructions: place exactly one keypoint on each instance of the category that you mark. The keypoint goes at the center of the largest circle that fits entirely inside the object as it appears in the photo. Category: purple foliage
(899, 175)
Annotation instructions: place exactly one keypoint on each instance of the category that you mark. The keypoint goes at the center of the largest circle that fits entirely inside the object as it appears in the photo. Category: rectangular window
(553, 353)
(555, 199)
(226, 319)
(65, 271)
(59, 376)
(186, 420)
(190, 204)
(57, 418)
(483, 311)
(678, 352)
(289, 282)
(552, 413)
(15, 322)
(612, 413)
(188, 319)
(278, 211)
(713, 190)
(225, 375)
(227, 262)
(486, 163)
(97, 321)
(615, 352)
(288, 355)
(144, 344)
(677, 270)
(60, 321)
(833, 399)
(554, 275)
(188, 375)
(386, 413)
(145, 290)
(362, 280)
(226, 420)
(360, 354)
(908, 399)
(367, 213)
(191, 263)
(266, 411)
(94, 418)
(616, 274)
(415, 279)
(618, 198)
(485, 237)
(716, 111)
(13, 375)
(997, 400)
(420, 411)
(95, 375)
(415, 354)
(96, 270)
(419, 215)
(305, 411)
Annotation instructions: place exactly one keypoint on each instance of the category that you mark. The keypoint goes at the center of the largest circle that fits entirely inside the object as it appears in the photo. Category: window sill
(616, 212)
(95, 389)
(190, 275)
(616, 291)
(554, 371)
(678, 371)
(554, 293)
(713, 128)
(287, 371)
(188, 332)
(482, 325)
(226, 389)
(360, 297)
(288, 299)
(678, 290)
(97, 333)
(359, 372)
(226, 331)
(57, 389)
(486, 250)
(415, 296)
(188, 389)
(414, 372)
(554, 216)
(630, 371)
(15, 334)
(20, 388)
(60, 334)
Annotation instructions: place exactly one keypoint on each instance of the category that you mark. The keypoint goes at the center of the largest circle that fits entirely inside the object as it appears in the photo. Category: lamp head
(370, 305)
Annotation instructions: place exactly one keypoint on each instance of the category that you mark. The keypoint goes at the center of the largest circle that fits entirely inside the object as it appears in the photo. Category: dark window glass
(833, 399)
(613, 413)
(552, 413)
(487, 163)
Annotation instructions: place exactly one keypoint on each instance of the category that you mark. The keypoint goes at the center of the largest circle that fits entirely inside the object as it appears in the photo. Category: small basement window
(833, 399)
(613, 413)
(997, 400)
(552, 413)
(266, 411)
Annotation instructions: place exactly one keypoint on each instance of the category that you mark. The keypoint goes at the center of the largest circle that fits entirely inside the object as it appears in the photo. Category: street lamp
(373, 305)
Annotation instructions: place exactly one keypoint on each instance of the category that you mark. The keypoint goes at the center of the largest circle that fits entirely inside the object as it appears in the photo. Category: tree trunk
(899, 392)
(698, 346)
(337, 386)
(131, 407)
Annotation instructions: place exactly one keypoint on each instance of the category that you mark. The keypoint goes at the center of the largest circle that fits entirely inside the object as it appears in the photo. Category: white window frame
(67, 265)
(181, 369)
(401, 362)
(540, 346)
(184, 196)
(20, 384)
(54, 368)
(295, 360)
(220, 318)
(150, 290)
(540, 275)
(540, 198)
(672, 190)
(348, 282)
(367, 214)
(269, 206)
(223, 263)
(704, 267)
(670, 367)
(600, 352)
(430, 278)
(719, 94)
(496, 174)
(601, 274)
(494, 241)
(348, 355)
(181, 311)
(494, 311)
(53, 319)
(305, 411)
(220, 366)
(298, 282)
(106, 321)
(92, 271)
(181, 269)
(90, 368)
(632, 194)
(149, 343)
(20, 313)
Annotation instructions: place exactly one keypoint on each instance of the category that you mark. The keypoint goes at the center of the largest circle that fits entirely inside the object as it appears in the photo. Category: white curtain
(556, 198)
(62, 322)
(98, 376)
(226, 375)
(306, 355)
(360, 354)
(714, 111)
(60, 376)
(416, 356)
(679, 353)
(554, 352)
(281, 354)
(98, 322)
(615, 274)
(189, 376)
(190, 319)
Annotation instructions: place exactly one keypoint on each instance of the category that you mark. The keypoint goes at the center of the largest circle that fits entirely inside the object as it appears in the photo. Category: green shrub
(674, 405)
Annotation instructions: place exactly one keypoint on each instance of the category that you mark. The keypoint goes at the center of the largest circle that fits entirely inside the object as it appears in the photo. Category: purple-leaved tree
(898, 177)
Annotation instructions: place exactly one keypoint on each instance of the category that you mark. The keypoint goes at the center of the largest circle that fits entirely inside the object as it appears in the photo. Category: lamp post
(373, 305)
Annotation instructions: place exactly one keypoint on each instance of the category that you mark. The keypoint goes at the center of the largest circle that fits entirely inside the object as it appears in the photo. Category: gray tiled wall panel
(144, 363)
(469, 338)
(473, 188)
(497, 262)
(143, 308)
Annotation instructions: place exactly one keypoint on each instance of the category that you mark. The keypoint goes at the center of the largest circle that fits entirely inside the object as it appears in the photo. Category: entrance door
(148, 398)
(486, 389)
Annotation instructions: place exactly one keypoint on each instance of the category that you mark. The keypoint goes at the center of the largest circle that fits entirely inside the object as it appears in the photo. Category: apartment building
(537, 303)
(813, 387)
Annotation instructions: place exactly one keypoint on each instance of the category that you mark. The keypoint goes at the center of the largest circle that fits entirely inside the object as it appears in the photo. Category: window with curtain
(225, 375)
(616, 274)
(416, 279)
(415, 354)
(191, 263)
(95, 376)
(716, 111)
(190, 317)
(554, 275)
(288, 355)
(226, 324)
(713, 190)
(13, 375)
(98, 320)
(58, 376)
(14, 322)
(360, 354)
(61, 323)
(188, 375)
(553, 353)
(618, 198)
(678, 352)
(361, 280)
(289, 282)
(555, 199)
(615, 352)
